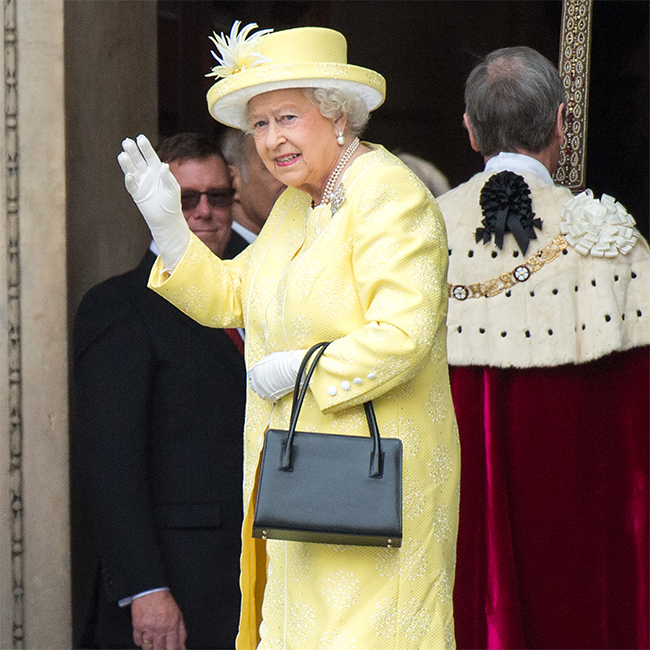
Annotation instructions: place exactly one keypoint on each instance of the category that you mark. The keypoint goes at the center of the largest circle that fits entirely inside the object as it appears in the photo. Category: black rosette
(506, 205)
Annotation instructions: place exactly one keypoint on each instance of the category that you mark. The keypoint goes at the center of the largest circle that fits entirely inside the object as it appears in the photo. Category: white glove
(275, 375)
(158, 196)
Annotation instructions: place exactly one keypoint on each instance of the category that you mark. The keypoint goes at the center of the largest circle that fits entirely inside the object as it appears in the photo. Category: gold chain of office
(519, 274)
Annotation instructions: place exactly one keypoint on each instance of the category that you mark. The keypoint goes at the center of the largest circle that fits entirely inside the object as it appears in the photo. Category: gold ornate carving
(13, 321)
(575, 48)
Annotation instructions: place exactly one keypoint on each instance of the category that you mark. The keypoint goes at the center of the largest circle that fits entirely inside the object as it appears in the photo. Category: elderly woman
(354, 252)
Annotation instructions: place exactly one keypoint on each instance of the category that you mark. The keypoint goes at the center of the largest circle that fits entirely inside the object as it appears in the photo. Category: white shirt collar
(518, 163)
(153, 248)
(244, 232)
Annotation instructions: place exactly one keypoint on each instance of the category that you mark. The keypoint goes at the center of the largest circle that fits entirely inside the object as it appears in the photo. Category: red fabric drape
(553, 533)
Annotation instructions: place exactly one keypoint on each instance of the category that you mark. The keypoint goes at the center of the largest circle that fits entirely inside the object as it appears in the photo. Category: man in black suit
(157, 440)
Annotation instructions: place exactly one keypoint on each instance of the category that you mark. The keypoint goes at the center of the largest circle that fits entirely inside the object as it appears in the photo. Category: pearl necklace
(331, 181)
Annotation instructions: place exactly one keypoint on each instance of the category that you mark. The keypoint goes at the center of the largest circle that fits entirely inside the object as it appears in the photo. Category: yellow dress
(372, 278)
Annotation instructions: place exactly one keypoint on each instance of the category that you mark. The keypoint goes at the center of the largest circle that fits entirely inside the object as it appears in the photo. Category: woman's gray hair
(334, 103)
(511, 101)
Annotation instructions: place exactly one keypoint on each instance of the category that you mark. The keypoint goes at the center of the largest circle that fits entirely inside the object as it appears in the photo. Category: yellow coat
(372, 279)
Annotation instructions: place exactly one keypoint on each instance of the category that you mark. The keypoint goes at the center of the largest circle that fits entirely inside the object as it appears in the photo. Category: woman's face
(297, 144)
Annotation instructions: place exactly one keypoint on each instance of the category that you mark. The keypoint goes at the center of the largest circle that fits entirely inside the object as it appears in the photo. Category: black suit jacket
(236, 245)
(157, 445)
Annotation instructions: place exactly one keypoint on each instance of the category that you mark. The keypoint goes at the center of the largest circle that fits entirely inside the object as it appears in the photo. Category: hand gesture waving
(157, 194)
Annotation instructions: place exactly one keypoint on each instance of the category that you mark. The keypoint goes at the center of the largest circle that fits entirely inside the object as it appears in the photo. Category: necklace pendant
(337, 197)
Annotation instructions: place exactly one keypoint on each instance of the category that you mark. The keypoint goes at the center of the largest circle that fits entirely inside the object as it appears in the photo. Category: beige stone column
(43, 298)
(34, 386)
(78, 77)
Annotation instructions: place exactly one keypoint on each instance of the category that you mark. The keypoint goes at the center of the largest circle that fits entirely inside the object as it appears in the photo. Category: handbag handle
(299, 392)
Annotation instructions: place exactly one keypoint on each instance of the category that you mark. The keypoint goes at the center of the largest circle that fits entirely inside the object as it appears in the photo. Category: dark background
(425, 50)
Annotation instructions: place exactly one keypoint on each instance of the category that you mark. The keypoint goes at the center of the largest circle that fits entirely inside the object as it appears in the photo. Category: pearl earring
(340, 138)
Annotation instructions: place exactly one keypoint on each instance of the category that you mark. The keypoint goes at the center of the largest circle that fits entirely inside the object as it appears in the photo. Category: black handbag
(329, 488)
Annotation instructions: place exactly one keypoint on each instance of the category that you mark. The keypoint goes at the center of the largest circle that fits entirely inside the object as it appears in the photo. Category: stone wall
(78, 78)
(35, 556)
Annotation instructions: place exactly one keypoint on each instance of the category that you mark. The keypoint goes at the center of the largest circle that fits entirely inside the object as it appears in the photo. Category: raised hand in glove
(158, 197)
(275, 375)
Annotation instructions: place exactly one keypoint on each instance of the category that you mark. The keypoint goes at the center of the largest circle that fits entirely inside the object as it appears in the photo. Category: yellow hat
(304, 57)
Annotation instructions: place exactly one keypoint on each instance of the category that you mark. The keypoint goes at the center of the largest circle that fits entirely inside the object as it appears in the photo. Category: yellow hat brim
(228, 98)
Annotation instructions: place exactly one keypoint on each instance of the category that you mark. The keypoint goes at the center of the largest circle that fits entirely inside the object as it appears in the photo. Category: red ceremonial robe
(553, 533)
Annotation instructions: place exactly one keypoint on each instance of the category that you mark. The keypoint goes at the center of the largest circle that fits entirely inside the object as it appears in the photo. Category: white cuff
(127, 601)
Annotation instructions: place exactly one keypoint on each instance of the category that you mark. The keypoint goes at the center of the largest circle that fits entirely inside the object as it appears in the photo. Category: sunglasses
(217, 198)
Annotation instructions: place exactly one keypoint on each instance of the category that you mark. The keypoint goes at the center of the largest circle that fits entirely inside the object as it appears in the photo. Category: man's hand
(158, 622)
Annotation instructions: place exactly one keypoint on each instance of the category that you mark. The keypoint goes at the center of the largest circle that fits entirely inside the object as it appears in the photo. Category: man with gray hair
(548, 345)
(256, 189)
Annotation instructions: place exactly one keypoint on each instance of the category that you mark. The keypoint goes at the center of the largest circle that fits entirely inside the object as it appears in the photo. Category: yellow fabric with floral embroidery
(372, 278)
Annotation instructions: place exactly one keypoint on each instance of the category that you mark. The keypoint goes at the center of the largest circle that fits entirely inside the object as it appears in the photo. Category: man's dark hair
(187, 146)
(511, 100)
